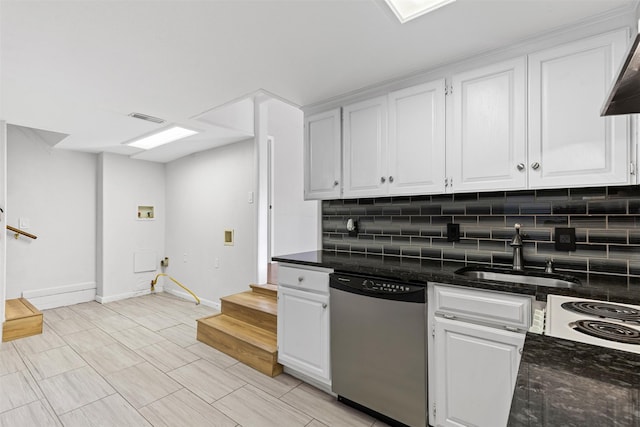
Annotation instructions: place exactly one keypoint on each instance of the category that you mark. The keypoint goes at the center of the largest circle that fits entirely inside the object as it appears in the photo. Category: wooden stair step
(267, 289)
(253, 308)
(22, 320)
(247, 343)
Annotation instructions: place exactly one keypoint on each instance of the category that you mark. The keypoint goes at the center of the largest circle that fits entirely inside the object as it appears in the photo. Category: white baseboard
(111, 298)
(187, 296)
(61, 296)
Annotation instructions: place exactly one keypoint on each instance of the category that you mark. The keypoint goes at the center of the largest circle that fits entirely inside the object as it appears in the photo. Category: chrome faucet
(516, 244)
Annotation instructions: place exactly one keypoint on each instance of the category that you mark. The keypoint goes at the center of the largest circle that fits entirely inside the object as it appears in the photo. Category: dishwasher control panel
(377, 286)
(389, 287)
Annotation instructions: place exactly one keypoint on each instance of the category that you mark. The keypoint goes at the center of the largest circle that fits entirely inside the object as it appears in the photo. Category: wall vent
(146, 117)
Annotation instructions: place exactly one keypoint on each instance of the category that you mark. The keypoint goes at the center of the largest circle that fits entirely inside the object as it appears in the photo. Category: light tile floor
(137, 362)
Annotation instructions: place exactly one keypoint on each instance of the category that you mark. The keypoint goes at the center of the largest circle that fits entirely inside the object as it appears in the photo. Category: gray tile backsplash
(606, 220)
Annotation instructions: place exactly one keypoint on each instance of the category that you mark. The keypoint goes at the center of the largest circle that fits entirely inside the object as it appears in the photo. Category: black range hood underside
(624, 97)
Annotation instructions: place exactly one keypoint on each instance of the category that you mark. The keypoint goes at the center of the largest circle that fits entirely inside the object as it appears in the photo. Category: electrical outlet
(453, 232)
(565, 239)
(184, 257)
(216, 263)
(24, 223)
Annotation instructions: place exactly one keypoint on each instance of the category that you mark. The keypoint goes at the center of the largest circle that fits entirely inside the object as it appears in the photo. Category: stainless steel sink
(527, 277)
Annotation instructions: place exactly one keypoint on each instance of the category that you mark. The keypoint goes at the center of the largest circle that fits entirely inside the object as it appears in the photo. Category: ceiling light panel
(163, 137)
(406, 10)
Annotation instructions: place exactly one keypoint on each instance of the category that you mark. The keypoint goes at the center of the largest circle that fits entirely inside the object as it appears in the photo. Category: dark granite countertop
(560, 382)
(422, 271)
(566, 383)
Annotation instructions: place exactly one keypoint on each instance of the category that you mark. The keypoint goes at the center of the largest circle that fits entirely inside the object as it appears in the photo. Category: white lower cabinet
(474, 349)
(303, 325)
(476, 369)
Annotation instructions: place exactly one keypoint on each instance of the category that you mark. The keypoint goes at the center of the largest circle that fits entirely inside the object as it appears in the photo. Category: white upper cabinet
(529, 122)
(323, 155)
(416, 139)
(486, 150)
(365, 144)
(569, 143)
(405, 158)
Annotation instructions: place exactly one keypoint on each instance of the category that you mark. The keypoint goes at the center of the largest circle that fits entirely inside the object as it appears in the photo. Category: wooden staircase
(246, 328)
(22, 320)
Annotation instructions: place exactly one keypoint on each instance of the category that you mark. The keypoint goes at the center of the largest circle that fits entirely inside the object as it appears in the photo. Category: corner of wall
(100, 227)
(124, 185)
(3, 205)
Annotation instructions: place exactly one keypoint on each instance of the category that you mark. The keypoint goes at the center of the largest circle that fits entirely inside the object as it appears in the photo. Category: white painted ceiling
(80, 67)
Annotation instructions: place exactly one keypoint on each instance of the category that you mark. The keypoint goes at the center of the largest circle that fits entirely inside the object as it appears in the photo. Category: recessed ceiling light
(163, 137)
(406, 10)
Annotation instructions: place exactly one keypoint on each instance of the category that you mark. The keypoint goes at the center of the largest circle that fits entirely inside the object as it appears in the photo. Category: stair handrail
(19, 232)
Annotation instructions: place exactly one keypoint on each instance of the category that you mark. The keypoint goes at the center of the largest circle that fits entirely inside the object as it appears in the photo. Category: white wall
(296, 225)
(54, 191)
(261, 177)
(83, 207)
(3, 205)
(123, 186)
(208, 193)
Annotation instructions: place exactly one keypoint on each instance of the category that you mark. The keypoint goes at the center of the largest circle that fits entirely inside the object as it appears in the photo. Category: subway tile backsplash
(606, 219)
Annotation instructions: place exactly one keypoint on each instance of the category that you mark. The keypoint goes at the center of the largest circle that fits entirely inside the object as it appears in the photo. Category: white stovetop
(558, 319)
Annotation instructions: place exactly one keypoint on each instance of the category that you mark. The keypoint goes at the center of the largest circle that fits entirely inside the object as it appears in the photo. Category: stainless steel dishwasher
(378, 347)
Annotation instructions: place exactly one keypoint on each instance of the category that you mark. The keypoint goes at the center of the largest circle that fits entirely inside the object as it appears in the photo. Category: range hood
(624, 97)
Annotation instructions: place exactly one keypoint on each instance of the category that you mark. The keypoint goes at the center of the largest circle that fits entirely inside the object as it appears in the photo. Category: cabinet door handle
(324, 305)
(520, 350)
(520, 166)
(383, 179)
(535, 166)
(335, 183)
(391, 179)
(300, 278)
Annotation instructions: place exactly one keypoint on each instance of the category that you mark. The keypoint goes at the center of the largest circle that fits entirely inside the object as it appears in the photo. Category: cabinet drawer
(316, 280)
(496, 308)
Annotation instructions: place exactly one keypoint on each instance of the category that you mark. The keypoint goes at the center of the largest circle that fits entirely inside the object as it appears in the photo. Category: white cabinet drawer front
(486, 306)
(301, 278)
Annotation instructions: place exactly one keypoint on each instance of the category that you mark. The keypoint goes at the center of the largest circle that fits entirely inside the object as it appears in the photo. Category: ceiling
(81, 67)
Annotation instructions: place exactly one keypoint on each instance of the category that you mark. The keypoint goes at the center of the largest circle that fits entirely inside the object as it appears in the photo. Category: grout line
(125, 307)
